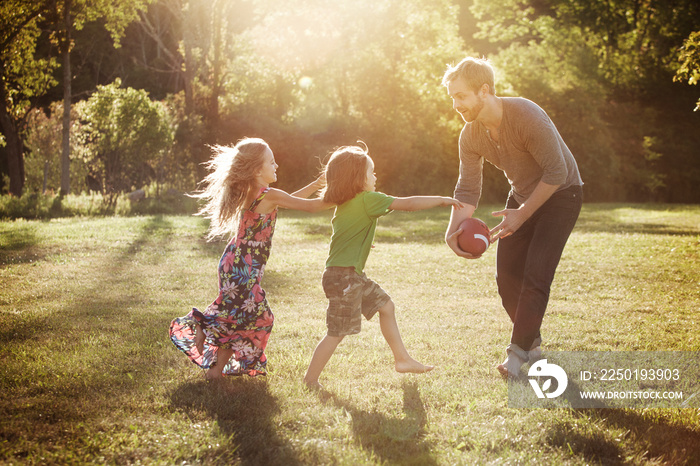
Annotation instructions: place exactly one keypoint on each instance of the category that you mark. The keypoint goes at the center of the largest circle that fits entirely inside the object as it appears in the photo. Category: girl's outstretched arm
(414, 203)
(297, 200)
(311, 188)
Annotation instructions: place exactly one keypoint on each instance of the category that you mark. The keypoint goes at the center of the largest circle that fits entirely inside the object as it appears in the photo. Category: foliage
(310, 75)
(43, 160)
(23, 78)
(115, 16)
(690, 62)
(181, 165)
(67, 16)
(32, 205)
(27, 63)
(372, 72)
(603, 71)
(636, 40)
(125, 135)
(42, 164)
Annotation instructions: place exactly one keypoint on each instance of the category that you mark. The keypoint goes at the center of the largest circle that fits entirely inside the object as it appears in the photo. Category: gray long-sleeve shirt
(529, 150)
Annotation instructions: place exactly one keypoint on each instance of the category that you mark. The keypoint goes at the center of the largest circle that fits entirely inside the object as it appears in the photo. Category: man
(516, 136)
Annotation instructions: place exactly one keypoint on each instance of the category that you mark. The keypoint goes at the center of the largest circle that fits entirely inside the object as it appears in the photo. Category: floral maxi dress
(240, 317)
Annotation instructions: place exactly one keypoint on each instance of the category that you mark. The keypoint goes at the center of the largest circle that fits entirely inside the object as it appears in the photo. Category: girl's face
(371, 179)
(268, 171)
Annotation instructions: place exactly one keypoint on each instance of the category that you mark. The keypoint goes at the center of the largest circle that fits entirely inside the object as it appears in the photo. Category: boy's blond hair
(346, 174)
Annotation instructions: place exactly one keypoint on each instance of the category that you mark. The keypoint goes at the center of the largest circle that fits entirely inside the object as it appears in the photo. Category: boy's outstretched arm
(414, 203)
(453, 230)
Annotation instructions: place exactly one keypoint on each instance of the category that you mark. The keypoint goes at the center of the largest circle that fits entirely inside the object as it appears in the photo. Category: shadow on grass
(276, 281)
(16, 328)
(655, 437)
(394, 440)
(662, 440)
(17, 245)
(157, 228)
(243, 409)
(594, 445)
(657, 440)
(96, 308)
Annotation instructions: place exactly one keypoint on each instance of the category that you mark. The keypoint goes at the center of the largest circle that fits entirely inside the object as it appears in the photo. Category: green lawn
(88, 374)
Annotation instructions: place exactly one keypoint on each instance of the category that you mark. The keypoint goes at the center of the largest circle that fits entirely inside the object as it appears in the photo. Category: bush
(46, 206)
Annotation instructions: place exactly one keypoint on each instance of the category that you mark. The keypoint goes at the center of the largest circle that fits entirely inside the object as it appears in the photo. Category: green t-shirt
(354, 224)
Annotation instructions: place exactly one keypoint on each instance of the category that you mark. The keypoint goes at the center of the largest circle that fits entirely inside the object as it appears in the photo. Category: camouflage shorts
(350, 296)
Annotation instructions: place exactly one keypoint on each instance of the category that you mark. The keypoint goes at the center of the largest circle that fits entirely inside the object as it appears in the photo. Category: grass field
(88, 374)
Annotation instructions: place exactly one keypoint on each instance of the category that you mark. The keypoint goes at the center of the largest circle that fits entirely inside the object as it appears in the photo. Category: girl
(230, 336)
(350, 185)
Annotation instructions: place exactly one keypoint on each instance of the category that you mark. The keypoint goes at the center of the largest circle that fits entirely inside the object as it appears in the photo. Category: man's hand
(512, 220)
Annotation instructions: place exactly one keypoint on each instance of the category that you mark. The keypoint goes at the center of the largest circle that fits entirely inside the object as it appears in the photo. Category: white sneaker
(515, 358)
(534, 354)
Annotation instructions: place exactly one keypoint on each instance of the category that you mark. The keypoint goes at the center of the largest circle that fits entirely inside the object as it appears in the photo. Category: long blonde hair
(225, 189)
(346, 174)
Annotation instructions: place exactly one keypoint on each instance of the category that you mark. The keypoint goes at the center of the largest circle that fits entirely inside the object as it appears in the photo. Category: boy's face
(371, 179)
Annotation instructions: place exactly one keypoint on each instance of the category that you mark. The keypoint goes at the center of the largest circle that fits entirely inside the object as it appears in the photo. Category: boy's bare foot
(412, 366)
(199, 339)
(313, 385)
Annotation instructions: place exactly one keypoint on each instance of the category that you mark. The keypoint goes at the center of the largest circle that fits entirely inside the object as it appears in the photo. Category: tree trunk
(65, 156)
(215, 72)
(13, 142)
(189, 69)
(47, 164)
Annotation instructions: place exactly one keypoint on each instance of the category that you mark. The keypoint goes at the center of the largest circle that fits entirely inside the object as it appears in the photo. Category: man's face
(468, 103)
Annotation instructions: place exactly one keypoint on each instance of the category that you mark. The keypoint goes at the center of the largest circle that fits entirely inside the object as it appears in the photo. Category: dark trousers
(527, 260)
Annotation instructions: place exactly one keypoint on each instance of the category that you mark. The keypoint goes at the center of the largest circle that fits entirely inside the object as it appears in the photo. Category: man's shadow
(243, 409)
(393, 439)
(664, 440)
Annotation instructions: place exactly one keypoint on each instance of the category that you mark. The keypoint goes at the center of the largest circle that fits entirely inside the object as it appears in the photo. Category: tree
(604, 72)
(124, 135)
(22, 79)
(43, 141)
(71, 15)
(43, 159)
(343, 71)
(689, 58)
(193, 42)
